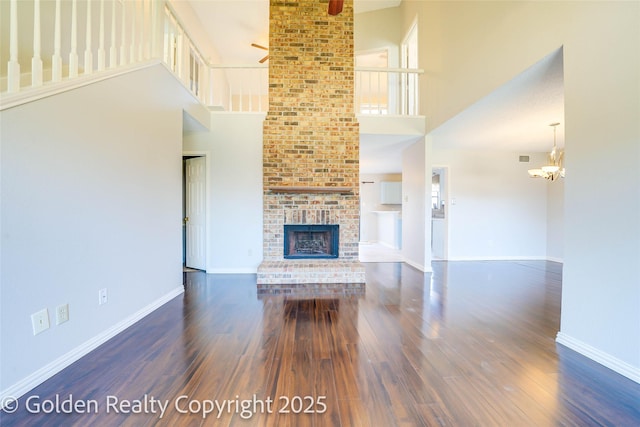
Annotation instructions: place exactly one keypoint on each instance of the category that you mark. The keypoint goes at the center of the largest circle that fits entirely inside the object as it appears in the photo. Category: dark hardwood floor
(471, 345)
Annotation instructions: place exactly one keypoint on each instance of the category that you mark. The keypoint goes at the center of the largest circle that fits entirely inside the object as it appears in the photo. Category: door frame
(207, 207)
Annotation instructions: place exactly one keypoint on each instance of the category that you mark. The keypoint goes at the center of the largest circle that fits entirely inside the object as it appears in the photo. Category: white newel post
(101, 52)
(205, 90)
(56, 59)
(88, 53)
(13, 67)
(73, 54)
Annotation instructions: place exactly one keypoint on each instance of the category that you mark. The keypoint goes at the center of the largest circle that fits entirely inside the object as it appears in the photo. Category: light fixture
(554, 168)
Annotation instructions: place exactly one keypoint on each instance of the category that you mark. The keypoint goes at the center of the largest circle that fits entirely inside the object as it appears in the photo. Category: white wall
(234, 149)
(372, 31)
(470, 48)
(495, 210)
(416, 235)
(601, 292)
(91, 199)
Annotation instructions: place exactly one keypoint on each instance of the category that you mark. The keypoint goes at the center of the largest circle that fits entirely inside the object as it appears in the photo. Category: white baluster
(249, 72)
(101, 52)
(379, 92)
(13, 72)
(112, 48)
(73, 54)
(259, 74)
(359, 90)
(155, 20)
(36, 61)
(179, 54)
(123, 36)
(145, 29)
(132, 47)
(173, 45)
(241, 93)
(56, 59)
(370, 99)
(88, 53)
(140, 13)
(166, 42)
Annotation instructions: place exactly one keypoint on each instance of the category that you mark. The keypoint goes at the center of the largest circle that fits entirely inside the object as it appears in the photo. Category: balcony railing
(104, 37)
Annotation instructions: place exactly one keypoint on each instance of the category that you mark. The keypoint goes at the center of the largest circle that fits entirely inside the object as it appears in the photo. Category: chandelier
(554, 168)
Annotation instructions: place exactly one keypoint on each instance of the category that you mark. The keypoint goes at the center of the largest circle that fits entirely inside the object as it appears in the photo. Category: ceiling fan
(335, 7)
(263, 48)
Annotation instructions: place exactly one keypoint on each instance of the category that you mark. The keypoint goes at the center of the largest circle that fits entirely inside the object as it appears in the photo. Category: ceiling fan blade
(335, 7)
(259, 46)
(264, 59)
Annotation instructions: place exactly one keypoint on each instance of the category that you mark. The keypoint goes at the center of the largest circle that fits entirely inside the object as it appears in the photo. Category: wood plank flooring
(471, 345)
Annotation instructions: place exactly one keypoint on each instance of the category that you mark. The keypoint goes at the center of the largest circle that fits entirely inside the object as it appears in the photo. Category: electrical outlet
(40, 321)
(102, 296)
(62, 313)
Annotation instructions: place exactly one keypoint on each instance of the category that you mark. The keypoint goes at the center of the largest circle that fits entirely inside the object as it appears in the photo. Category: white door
(195, 212)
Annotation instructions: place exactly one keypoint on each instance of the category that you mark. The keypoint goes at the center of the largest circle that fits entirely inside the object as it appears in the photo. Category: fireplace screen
(311, 241)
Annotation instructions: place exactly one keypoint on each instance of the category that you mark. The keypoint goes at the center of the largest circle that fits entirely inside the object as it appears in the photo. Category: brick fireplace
(311, 146)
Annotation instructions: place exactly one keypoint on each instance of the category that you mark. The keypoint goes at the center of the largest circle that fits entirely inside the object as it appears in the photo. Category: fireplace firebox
(311, 241)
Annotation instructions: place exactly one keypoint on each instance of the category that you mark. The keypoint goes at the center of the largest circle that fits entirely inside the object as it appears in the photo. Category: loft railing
(57, 43)
(239, 88)
(65, 41)
(388, 91)
(382, 91)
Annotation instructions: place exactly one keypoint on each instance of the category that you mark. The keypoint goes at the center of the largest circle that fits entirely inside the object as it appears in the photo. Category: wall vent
(524, 159)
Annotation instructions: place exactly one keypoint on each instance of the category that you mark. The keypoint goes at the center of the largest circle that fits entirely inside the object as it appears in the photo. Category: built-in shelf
(310, 190)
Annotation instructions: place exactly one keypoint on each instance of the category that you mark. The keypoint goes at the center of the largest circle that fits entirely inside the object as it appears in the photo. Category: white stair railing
(127, 30)
(136, 31)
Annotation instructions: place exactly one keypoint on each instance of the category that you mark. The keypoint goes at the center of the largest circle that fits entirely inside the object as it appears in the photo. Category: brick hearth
(311, 143)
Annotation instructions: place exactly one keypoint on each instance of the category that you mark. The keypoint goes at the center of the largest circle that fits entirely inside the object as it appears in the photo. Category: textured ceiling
(514, 117)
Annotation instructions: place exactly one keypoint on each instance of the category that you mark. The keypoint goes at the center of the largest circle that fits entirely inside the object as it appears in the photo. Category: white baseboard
(605, 359)
(388, 245)
(41, 375)
(499, 258)
(419, 266)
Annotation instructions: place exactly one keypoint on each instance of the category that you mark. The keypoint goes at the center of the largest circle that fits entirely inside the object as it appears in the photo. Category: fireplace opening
(311, 241)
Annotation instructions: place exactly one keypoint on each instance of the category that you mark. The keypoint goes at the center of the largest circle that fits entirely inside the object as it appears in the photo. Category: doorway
(439, 213)
(194, 211)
